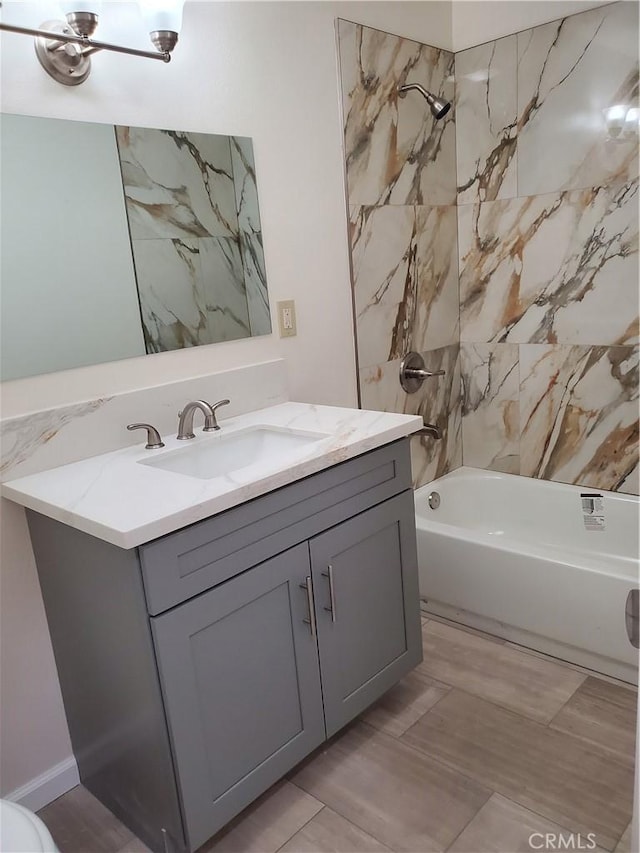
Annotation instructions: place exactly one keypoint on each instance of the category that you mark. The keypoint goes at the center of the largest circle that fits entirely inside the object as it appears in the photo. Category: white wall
(476, 21)
(265, 70)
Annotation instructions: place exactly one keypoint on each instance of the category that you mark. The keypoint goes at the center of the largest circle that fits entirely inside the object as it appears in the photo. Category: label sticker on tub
(592, 511)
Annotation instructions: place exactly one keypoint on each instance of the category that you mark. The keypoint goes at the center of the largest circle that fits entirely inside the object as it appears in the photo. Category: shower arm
(439, 107)
(408, 86)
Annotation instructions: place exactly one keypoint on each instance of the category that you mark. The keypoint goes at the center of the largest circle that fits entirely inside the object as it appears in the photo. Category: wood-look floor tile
(405, 703)
(79, 823)
(624, 845)
(458, 626)
(328, 832)
(604, 715)
(528, 685)
(502, 826)
(400, 797)
(266, 824)
(610, 679)
(135, 846)
(552, 773)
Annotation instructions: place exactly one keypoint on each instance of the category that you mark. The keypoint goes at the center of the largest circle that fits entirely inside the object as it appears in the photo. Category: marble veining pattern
(579, 414)
(438, 402)
(486, 120)
(245, 185)
(547, 240)
(404, 279)
(172, 303)
(250, 228)
(491, 406)
(224, 289)
(256, 283)
(383, 260)
(569, 72)
(192, 203)
(556, 268)
(21, 438)
(113, 497)
(177, 184)
(42, 440)
(396, 153)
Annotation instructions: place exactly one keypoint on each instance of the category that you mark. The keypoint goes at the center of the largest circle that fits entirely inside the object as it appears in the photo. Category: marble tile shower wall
(401, 181)
(548, 251)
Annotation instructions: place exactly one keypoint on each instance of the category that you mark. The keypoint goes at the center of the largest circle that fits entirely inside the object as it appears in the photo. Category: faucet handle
(154, 441)
(211, 422)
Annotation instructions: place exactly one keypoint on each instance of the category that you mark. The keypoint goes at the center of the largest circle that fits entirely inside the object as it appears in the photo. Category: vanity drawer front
(192, 560)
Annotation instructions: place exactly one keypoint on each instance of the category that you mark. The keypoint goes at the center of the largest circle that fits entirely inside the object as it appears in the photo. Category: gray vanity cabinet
(368, 636)
(199, 668)
(240, 676)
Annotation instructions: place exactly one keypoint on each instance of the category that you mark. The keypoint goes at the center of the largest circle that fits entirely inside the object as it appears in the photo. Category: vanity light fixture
(64, 48)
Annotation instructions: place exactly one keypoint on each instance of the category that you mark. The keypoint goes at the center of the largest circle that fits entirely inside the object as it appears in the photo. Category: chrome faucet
(185, 424)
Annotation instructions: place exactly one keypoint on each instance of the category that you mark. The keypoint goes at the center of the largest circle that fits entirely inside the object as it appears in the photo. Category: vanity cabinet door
(241, 684)
(365, 579)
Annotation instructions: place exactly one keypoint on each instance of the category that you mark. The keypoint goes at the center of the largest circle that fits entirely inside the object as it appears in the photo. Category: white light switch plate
(287, 318)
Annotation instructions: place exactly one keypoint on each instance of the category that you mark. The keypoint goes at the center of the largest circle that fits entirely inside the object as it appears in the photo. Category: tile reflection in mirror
(156, 243)
(193, 212)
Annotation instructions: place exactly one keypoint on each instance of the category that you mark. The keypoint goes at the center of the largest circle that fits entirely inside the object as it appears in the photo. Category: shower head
(439, 108)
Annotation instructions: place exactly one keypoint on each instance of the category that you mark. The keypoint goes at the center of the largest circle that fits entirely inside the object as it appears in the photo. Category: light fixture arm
(93, 45)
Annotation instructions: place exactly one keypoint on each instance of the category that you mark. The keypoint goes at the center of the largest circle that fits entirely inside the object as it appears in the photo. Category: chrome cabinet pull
(632, 617)
(332, 595)
(311, 621)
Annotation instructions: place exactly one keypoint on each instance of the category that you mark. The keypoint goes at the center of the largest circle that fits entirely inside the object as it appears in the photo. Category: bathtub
(533, 562)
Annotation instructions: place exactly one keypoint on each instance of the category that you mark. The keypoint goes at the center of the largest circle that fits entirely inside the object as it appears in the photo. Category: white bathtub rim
(628, 565)
(469, 472)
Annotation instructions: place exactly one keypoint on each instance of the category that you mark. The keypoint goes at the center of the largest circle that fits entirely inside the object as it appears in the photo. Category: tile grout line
(603, 752)
(307, 822)
(557, 823)
(336, 809)
(443, 762)
(449, 687)
(470, 821)
(574, 667)
(544, 656)
(564, 705)
(495, 702)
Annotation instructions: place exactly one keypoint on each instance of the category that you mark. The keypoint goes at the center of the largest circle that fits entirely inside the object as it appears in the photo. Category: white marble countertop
(115, 499)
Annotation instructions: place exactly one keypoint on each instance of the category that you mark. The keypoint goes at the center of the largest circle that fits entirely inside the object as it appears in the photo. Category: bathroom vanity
(200, 665)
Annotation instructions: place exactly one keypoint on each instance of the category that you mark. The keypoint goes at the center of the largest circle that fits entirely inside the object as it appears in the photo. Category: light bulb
(162, 14)
(614, 118)
(632, 123)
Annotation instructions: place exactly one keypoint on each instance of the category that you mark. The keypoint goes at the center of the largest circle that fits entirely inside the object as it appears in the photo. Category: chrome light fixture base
(82, 23)
(164, 40)
(66, 63)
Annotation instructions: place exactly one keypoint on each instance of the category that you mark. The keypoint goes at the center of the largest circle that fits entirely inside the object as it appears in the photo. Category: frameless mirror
(122, 241)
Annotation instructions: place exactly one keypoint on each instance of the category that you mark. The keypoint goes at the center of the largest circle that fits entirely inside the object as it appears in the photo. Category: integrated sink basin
(220, 454)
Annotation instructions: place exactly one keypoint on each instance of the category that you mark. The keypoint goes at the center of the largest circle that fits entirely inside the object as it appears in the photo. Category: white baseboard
(47, 787)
